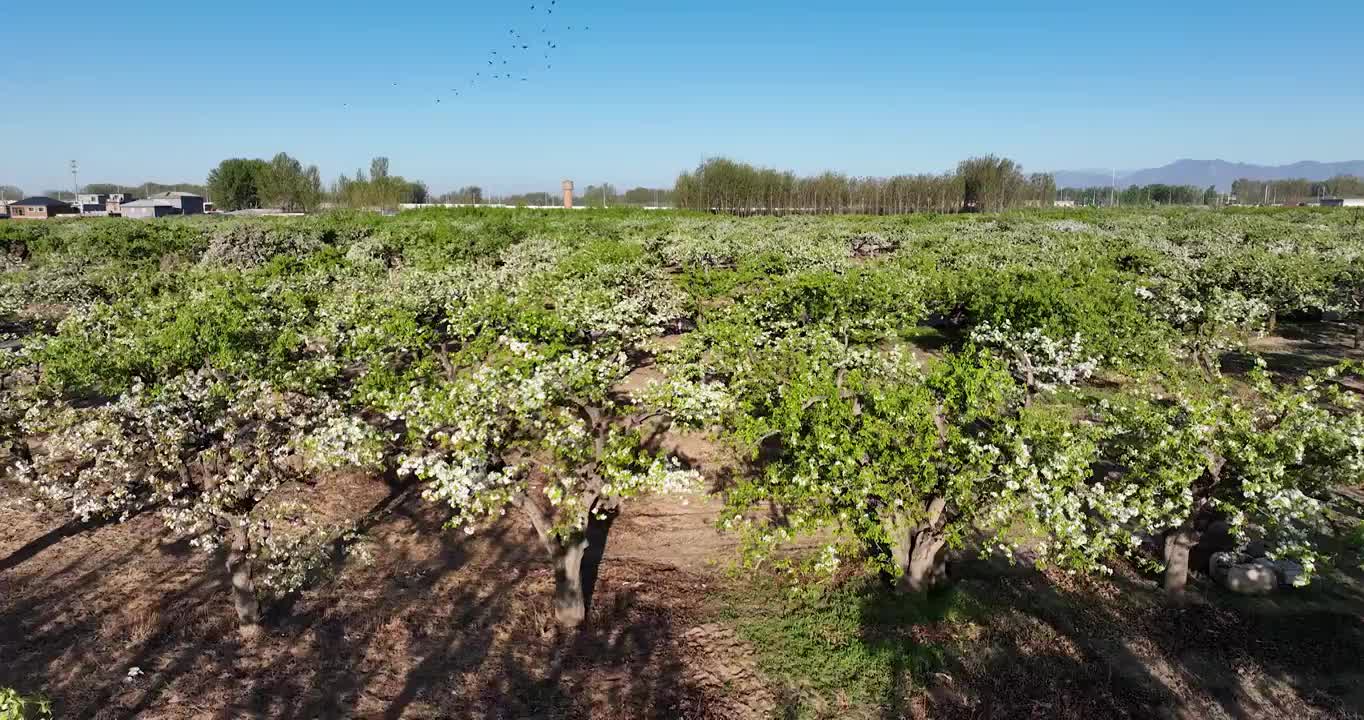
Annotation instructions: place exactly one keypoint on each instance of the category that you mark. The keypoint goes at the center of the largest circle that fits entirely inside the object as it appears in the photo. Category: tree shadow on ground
(441, 625)
(1054, 647)
(1296, 349)
(35, 546)
(1284, 365)
(1318, 336)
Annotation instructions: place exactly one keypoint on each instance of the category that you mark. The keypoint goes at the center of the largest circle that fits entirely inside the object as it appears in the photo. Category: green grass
(1356, 537)
(848, 649)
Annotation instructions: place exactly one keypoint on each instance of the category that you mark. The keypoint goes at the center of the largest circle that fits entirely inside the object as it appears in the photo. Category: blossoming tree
(208, 453)
(1266, 460)
(901, 462)
(544, 434)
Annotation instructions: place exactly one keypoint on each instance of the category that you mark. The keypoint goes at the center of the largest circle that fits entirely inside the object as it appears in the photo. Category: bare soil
(438, 625)
(1299, 348)
(1069, 648)
(443, 625)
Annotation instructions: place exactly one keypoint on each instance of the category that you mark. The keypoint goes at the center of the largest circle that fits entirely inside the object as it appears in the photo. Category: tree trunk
(1178, 543)
(1359, 334)
(927, 566)
(1207, 362)
(243, 584)
(570, 602)
(916, 549)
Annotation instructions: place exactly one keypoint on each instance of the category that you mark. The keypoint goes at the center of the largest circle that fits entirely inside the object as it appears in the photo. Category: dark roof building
(39, 208)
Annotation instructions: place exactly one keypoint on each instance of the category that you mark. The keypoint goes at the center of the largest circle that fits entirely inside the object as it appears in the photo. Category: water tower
(568, 194)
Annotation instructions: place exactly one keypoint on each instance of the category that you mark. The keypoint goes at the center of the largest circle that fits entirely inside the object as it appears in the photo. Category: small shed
(149, 208)
(187, 203)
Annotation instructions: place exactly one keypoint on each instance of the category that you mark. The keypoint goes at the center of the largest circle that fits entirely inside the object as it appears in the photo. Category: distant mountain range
(1202, 173)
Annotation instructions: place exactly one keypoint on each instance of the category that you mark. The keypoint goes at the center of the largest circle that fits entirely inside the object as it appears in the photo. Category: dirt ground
(442, 625)
(438, 625)
(1302, 347)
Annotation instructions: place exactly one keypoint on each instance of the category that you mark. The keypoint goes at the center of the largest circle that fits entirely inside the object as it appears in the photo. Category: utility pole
(75, 186)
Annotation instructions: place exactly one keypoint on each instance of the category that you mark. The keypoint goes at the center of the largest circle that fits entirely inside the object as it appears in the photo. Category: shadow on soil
(1114, 648)
(445, 627)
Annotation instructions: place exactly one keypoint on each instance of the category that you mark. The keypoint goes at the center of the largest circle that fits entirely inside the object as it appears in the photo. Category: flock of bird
(516, 61)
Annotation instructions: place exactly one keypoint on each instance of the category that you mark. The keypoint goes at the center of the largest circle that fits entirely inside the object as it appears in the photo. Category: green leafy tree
(1267, 463)
(236, 183)
(282, 182)
(379, 190)
(418, 193)
(900, 463)
(990, 183)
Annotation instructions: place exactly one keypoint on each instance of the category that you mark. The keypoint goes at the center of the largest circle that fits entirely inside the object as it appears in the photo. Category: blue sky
(163, 91)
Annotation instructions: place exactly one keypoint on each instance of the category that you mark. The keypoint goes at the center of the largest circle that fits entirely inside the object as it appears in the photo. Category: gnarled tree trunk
(243, 583)
(566, 552)
(917, 548)
(570, 600)
(1178, 543)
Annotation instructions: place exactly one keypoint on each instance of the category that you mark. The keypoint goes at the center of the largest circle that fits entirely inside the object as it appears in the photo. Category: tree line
(590, 196)
(146, 189)
(282, 182)
(379, 189)
(986, 183)
(1141, 195)
(1292, 192)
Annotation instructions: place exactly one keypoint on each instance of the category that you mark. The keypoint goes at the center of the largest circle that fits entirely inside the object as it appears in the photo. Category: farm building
(91, 203)
(39, 208)
(149, 208)
(1342, 202)
(186, 203)
(113, 206)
